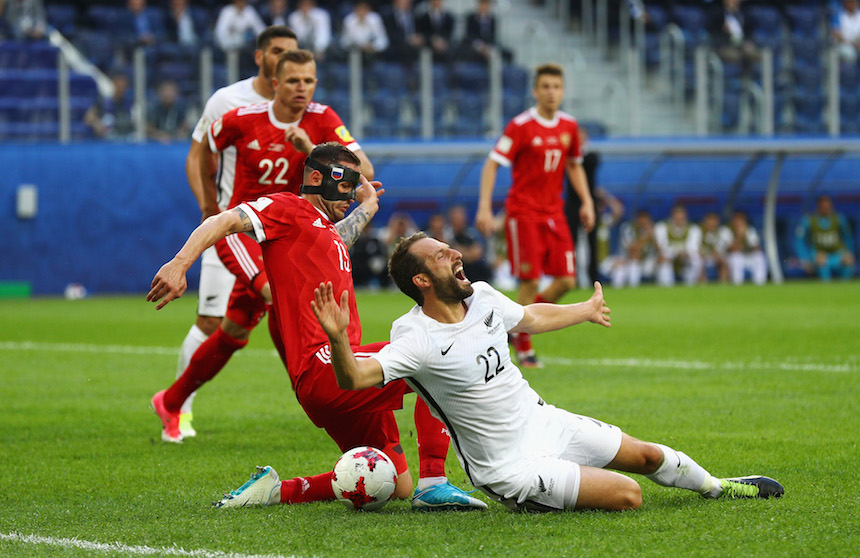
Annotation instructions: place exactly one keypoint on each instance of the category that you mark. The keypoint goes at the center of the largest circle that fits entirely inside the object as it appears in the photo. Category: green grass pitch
(745, 380)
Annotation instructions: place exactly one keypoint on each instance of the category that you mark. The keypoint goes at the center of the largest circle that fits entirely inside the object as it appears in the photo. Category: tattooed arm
(170, 283)
(367, 194)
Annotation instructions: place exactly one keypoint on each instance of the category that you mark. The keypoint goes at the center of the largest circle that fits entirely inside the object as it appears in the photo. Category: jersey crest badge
(565, 139)
(319, 224)
(488, 321)
(255, 145)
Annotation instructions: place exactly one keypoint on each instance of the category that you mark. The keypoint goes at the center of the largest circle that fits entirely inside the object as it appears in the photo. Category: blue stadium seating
(470, 108)
(63, 17)
(470, 76)
(692, 19)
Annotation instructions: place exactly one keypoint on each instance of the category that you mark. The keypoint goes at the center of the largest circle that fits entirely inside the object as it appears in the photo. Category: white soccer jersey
(465, 374)
(239, 94)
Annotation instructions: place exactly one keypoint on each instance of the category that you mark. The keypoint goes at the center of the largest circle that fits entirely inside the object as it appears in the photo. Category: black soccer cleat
(755, 486)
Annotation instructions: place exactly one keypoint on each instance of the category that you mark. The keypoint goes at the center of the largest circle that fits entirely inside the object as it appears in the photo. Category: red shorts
(540, 246)
(353, 417)
(242, 256)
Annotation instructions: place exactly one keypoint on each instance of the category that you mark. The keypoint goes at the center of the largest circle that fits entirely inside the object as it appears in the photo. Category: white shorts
(216, 284)
(545, 476)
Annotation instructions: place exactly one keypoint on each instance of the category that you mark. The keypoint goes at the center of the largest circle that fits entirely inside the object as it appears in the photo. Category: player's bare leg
(600, 489)
(669, 467)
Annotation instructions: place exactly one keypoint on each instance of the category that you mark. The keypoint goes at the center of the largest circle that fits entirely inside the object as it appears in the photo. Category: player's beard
(449, 289)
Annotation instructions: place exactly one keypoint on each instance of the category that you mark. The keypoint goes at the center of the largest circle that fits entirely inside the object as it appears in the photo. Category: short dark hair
(332, 153)
(298, 56)
(272, 32)
(548, 70)
(403, 265)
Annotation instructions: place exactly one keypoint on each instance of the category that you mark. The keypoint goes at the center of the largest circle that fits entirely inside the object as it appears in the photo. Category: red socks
(433, 441)
(302, 490)
(204, 365)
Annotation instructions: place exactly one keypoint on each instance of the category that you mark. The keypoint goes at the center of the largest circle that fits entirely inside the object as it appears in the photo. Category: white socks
(427, 482)
(680, 471)
(192, 342)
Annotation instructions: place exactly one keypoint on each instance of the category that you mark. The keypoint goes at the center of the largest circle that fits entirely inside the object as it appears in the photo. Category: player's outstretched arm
(350, 372)
(367, 195)
(541, 317)
(578, 180)
(170, 283)
(484, 220)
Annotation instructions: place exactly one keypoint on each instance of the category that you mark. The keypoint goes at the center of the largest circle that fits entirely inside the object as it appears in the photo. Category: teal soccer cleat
(445, 496)
(263, 489)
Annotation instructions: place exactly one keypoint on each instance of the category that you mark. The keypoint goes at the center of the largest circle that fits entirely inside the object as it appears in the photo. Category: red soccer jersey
(265, 162)
(537, 151)
(301, 249)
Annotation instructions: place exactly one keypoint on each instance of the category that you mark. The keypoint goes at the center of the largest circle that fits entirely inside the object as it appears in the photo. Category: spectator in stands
(730, 34)
(369, 257)
(715, 241)
(168, 116)
(468, 241)
(437, 228)
(744, 253)
(609, 210)
(363, 29)
(25, 19)
(678, 248)
(181, 28)
(847, 31)
(275, 13)
(111, 118)
(638, 258)
(825, 242)
(481, 33)
(312, 26)
(400, 225)
(139, 26)
(237, 26)
(404, 40)
(437, 27)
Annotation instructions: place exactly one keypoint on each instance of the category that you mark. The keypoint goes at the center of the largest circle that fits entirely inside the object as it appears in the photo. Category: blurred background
(720, 106)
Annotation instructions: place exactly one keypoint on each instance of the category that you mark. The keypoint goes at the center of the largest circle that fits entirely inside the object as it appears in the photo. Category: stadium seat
(63, 17)
(515, 80)
(388, 76)
(731, 110)
(512, 104)
(470, 108)
(692, 19)
(470, 76)
(386, 108)
(441, 80)
(806, 49)
(804, 19)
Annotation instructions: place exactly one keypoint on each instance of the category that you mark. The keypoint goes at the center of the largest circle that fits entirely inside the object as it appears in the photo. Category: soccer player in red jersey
(540, 145)
(302, 247)
(216, 281)
(271, 141)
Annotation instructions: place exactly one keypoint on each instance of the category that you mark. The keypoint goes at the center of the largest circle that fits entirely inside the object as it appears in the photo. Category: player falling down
(519, 450)
(302, 247)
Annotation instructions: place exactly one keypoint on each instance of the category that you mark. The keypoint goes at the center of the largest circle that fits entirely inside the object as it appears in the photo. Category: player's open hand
(333, 318)
(600, 311)
(368, 191)
(168, 284)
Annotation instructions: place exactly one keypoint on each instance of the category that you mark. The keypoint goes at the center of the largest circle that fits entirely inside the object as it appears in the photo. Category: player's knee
(629, 497)
(208, 324)
(651, 457)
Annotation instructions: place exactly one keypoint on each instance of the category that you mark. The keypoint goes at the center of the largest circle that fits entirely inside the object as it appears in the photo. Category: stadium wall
(109, 215)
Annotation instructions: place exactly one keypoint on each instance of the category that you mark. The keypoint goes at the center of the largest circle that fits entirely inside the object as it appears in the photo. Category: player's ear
(258, 57)
(316, 178)
(421, 280)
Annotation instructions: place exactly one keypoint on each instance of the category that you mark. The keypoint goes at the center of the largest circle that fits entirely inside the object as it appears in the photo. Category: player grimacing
(521, 451)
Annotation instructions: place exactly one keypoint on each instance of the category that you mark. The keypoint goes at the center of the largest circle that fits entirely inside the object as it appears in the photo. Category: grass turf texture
(745, 380)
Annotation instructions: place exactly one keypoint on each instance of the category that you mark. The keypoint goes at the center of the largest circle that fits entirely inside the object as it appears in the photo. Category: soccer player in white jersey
(519, 450)
(216, 281)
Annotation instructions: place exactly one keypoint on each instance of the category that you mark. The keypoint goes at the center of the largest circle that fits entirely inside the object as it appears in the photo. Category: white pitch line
(120, 548)
(850, 365)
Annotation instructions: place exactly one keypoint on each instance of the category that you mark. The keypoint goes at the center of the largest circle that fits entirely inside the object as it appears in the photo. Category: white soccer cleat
(263, 489)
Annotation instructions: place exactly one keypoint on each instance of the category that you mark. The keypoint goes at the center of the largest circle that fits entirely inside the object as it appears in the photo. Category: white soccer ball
(364, 478)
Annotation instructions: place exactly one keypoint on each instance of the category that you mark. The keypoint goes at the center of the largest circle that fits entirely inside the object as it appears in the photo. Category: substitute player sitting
(519, 450)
